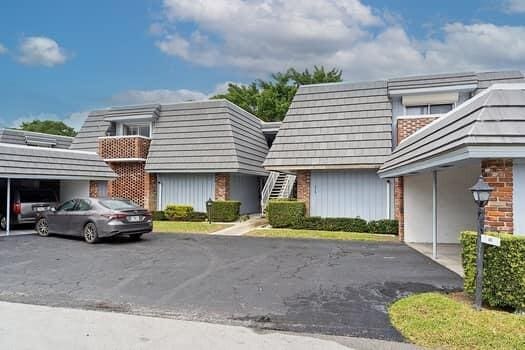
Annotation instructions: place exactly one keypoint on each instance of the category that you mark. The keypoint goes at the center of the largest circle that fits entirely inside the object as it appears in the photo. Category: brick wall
(222, 187)
(408, 126)
(123, 147)
(93, 189)
(150, 191)
(303, 188)
(130, 182)
(499, 210)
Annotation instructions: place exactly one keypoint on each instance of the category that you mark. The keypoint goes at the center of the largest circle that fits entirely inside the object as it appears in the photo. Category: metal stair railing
(288, 186)
(267, 190)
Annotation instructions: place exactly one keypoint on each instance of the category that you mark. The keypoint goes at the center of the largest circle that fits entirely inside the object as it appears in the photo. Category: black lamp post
(209, 208)
(481, 192)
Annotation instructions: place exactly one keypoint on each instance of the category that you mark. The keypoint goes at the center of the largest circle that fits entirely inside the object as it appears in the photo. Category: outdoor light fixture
(209, 208)
(481, 192)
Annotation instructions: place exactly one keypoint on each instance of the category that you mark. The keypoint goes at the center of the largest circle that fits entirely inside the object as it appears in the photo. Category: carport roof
(490, 125)
(29, 162)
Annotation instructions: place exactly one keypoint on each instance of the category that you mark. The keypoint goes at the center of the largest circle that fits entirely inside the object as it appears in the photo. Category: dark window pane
(67, 206)
(417, 110)
(83, 205)
(440, 109)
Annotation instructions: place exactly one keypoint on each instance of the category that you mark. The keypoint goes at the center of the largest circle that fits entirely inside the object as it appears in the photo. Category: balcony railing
(123, 148)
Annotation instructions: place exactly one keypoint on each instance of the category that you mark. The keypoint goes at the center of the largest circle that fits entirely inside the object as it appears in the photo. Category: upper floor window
(429, 109)
(138, 129)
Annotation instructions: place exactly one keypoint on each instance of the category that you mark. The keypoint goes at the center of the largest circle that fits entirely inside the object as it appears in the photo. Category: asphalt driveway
(329, 287)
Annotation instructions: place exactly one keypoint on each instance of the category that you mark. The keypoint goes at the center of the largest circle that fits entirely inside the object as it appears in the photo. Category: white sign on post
(490, 240)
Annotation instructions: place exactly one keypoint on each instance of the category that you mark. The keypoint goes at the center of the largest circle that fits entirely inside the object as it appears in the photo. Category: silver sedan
(95, 218)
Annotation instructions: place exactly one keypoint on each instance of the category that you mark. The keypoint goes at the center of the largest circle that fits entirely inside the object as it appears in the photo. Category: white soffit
(426, 99)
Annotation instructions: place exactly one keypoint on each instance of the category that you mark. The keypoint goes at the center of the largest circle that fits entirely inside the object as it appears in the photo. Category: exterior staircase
(278, 185)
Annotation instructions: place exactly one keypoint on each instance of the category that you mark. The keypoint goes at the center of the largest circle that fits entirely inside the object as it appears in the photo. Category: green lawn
(436, 320)
(186, 227)
(312, 234)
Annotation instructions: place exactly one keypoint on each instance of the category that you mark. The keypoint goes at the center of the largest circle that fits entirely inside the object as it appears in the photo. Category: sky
(60, 59)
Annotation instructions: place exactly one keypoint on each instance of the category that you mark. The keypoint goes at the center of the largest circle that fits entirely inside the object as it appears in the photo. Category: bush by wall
(503, 272)
(332, 224)
(158, 215)
(225, 211)
(285, 213)
(389, 227)
(178, 212)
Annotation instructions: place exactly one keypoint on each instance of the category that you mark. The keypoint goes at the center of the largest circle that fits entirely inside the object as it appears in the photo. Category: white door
(351, 193)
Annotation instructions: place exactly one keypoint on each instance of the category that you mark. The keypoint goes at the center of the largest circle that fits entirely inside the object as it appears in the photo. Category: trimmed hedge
(178, 212)
(225, 211)
(503, 272)
(158, 215)
(386, 226)
(283, 213)
(291, 214)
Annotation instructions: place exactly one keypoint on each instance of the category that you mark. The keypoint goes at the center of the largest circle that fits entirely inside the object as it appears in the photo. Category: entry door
(352, 193)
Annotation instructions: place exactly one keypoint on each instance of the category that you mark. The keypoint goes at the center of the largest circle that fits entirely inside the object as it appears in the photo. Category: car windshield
(118, 204)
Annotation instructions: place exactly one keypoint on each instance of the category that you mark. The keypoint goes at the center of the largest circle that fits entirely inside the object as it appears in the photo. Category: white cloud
(514, 6)
(76, 119)
(133, 97)
(3, 49)
(272, 35)
(39, 50)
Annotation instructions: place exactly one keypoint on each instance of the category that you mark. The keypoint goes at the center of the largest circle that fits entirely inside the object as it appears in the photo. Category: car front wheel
(42, 227)
(90, 233)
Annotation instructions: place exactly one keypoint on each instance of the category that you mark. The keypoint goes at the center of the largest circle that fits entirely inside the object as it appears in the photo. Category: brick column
(222, 187)
(303, 188)
(399, 204)
(499, 210)
(150, 191)
(93, 189)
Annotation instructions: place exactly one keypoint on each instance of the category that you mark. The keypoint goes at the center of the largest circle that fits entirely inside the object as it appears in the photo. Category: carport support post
(434, 214)
(8, 208)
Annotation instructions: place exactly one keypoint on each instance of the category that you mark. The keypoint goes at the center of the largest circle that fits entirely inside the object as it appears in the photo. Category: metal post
(479, 258)
(434, 214)
(8, 208)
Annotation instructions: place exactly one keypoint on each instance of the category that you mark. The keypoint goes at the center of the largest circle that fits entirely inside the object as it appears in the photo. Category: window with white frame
(429, 109)
(136, 129)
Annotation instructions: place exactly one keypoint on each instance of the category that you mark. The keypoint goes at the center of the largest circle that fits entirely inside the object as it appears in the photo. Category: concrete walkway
(448, 255)
(25, 326)
(241, 228)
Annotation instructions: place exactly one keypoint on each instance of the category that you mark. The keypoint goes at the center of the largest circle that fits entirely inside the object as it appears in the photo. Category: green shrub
(197, 216)
(332, 224)
(285, 213)
(158, 215)
(177, 212)
(225, 211)
(503, 272)
(385, 226)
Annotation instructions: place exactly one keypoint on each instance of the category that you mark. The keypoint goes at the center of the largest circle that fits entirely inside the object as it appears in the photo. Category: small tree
(53, 127)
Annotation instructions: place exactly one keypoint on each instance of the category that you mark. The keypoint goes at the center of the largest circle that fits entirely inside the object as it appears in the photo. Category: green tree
(270, 100)
(53, 127)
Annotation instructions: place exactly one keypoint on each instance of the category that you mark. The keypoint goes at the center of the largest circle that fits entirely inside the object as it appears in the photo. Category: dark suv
(26, 203)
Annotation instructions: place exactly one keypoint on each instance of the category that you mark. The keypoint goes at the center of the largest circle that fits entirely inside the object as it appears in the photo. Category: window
(142, 129)
(83, 205)
(429, 109)
(118, 204)
(67, 206)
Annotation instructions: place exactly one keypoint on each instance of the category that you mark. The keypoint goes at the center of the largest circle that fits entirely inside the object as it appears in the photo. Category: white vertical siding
(190, 189)
(519, 197)
(245, 188)
(352, 193)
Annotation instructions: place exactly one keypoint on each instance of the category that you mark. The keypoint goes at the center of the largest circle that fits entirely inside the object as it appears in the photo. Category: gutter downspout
(8, 208)
(434, 214)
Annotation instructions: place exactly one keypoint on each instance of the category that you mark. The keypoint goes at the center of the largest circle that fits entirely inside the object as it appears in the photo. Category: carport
(438, 163)
(74, 169)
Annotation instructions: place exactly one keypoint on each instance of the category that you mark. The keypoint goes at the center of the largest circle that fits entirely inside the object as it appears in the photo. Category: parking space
(334, 287)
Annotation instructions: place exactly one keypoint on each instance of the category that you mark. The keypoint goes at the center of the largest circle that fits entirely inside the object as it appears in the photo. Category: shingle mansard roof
(349, 125)
(191, 137)
(494, 118)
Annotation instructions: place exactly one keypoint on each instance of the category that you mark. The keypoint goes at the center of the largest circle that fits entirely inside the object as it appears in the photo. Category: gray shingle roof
(22, 137)
(207, 136)
(50, 163)
(335, 125)
(96, 126)
(435, 80)
(495, 117)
